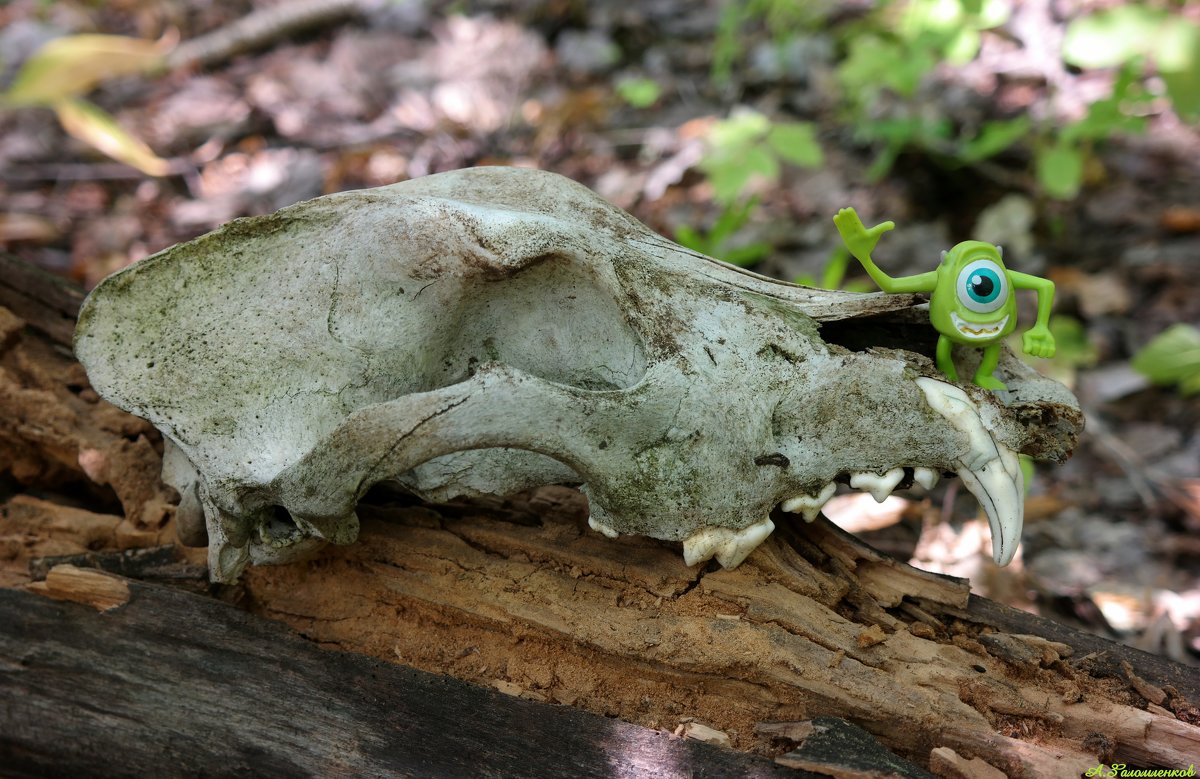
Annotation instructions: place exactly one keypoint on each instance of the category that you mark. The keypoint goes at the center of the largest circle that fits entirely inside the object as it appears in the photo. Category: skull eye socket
(982, 286)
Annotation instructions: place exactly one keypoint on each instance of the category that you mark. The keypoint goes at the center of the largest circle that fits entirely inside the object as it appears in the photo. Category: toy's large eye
(982, 286)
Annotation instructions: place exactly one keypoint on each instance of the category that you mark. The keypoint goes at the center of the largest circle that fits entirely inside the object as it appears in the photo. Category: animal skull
(489, 330)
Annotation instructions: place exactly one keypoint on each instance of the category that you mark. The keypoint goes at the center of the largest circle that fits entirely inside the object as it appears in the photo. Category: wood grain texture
(814, 623)
(174, 685)
(47, 303)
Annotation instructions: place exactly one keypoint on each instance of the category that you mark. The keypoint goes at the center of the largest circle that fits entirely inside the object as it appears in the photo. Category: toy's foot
(990, 383)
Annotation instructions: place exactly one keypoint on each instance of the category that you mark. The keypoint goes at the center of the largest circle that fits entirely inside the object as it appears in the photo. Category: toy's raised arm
(1037, 340)
(860, 241)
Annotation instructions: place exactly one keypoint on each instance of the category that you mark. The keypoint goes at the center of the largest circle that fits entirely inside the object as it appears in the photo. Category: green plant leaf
(883, 162)
(995, 137)
(1172, 357)
(73, 65)
(1176, 47)
(736, 154)
(1060, 170)
(962, 47)
(746, 255)
(1183, 87)
(1108, 38)
(835, 268)
(1074, 348)
(875, 62)
(90, 124)
(730, 179)
(639, 92)
(743, 128)
(796, 142)
(1028, 470)
(688, 236)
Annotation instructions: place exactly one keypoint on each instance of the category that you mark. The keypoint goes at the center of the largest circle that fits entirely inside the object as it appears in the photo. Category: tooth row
(602, 528)
(879, 486)
(989, 469)
(729, 546)
(810, 505)
(926, 477)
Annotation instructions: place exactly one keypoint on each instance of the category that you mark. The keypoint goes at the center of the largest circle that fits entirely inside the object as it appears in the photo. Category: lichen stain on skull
(489, 330)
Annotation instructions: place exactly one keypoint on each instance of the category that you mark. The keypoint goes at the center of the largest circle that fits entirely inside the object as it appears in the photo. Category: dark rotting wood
(174, 684)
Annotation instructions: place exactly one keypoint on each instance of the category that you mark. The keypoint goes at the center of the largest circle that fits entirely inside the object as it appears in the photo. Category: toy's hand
(1039, 342)
(859, 240)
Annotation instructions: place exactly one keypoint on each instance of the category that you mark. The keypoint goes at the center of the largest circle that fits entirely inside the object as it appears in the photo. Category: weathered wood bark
(814, 623)
(524, 598)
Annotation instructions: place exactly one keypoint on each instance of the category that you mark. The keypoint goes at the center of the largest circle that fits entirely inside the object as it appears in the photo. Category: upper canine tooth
(810, 505)
(952, 403)
(926, 477)
(602, 528)
(990, 470)
(729, 546)
(999, 486)
(879, 486)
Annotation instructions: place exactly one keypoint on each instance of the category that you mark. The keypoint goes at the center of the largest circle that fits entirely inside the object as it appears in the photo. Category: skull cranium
(493, 329)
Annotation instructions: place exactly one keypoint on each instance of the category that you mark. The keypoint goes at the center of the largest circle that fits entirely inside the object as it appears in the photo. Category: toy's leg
(944, 361)
(983, 376)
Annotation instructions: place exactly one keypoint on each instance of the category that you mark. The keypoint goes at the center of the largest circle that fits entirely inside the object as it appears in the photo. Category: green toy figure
(971, 302)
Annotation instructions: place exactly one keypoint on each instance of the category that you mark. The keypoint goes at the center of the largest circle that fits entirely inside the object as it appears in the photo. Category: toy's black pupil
(982, 286)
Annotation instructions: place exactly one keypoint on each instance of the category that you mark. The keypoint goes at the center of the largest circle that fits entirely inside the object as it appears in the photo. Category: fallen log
(814, 623)
(171, 684)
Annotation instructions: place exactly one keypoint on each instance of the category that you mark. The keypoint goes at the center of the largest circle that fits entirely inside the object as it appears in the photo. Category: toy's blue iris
(983, 286)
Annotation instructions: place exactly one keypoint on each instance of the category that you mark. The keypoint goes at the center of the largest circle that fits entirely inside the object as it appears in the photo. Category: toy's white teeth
(975, 329)
(989, 469)
(878, 486)
(926, 477)
(810, 505)
(729, 546)
(602, 528)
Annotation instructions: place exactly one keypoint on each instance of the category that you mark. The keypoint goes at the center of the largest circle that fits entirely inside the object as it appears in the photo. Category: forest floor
(1111, 542)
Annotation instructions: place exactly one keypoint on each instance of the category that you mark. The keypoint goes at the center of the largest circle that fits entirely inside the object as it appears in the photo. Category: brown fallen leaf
(27, 227)
(1181, 219)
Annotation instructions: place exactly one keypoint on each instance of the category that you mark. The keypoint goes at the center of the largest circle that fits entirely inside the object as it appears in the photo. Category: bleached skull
(494, 329)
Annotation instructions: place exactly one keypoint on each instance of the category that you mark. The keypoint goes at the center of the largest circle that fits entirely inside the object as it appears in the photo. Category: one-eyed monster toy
(971, 301)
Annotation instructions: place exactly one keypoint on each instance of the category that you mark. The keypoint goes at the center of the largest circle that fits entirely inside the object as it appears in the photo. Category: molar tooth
(810, 505)
(990, 470)
(729, 546)
(879, 486)
(743, 542)
(702, 544)
(926, 477)
(602, 528)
